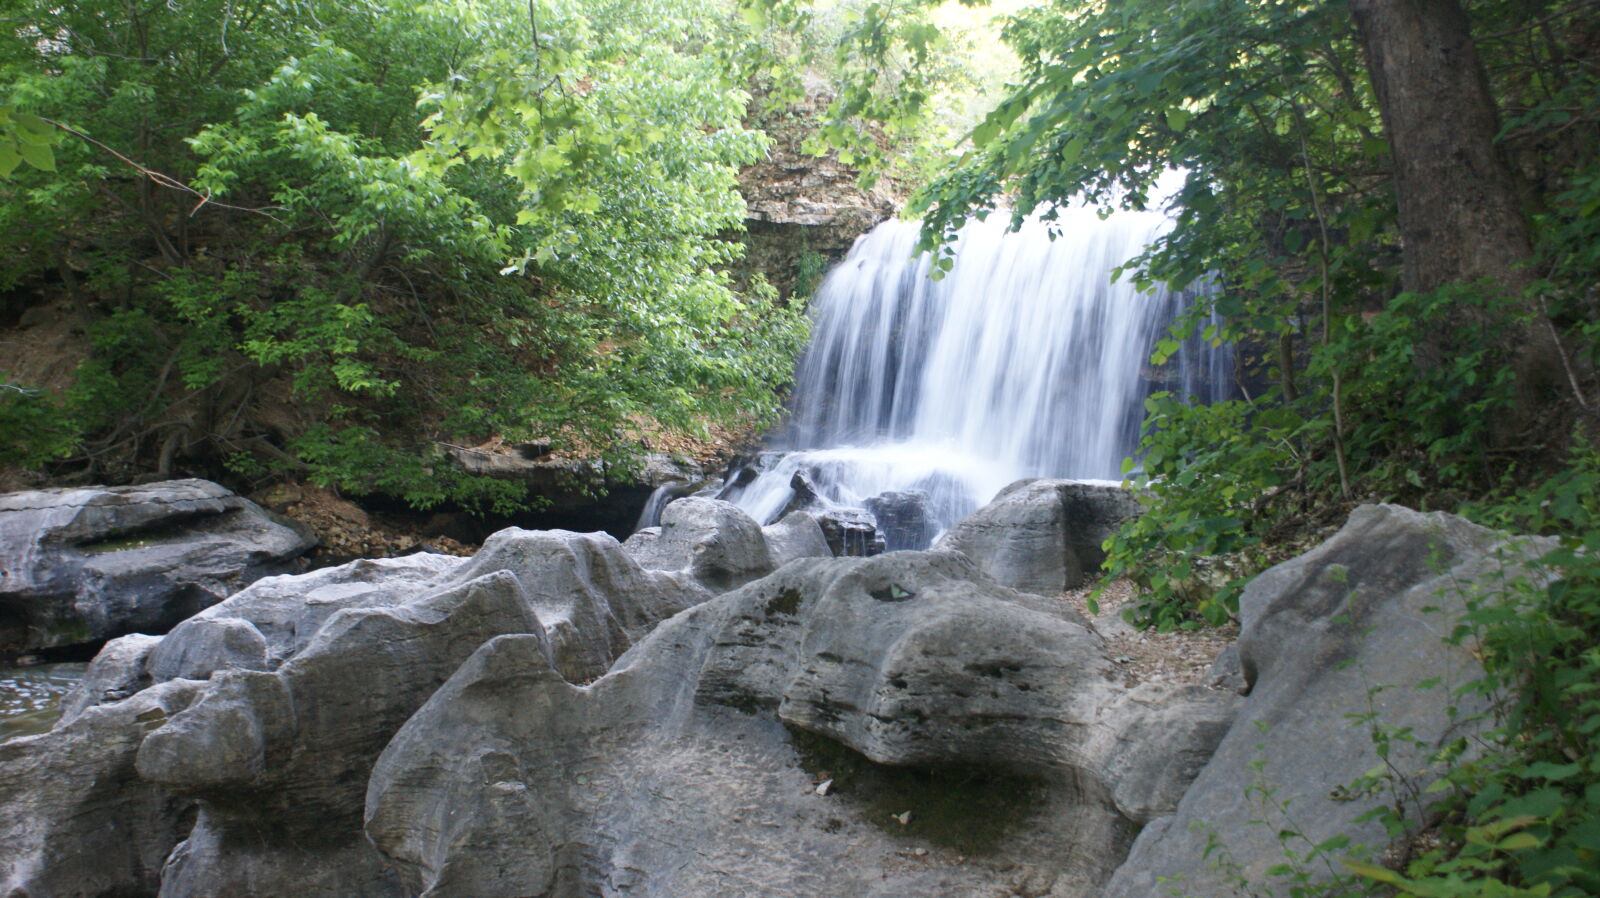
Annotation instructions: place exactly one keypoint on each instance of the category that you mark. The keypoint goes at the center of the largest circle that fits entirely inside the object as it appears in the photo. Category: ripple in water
(30, 697)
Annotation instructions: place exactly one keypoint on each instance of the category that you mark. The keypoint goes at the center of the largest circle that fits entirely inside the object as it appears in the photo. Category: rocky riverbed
(716, 708)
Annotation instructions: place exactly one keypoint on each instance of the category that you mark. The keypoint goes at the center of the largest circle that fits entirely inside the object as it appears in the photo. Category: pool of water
(30, 697)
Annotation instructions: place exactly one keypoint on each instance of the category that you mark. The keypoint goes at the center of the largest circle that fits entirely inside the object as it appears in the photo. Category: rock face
(565, 716)
(903, 519)
(309, 677)
(710, 540)
(805, 211)
(80, 565)
(684, 770)
(75, 819)
(1043, 536)
(1352, 626)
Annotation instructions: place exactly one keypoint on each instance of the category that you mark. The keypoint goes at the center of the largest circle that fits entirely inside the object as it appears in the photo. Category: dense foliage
(337, 238)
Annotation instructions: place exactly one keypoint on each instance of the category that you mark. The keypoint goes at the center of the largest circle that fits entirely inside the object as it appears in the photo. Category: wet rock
(903, 519)
(1043, 536)
(80, 565)
(1353, 626)
(850, 532)
(806, 495)
(692, 767)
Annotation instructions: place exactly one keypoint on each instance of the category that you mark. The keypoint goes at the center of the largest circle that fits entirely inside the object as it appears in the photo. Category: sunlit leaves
(25, 138)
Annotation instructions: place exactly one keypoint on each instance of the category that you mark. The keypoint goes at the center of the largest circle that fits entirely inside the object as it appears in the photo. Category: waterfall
(1025, 360)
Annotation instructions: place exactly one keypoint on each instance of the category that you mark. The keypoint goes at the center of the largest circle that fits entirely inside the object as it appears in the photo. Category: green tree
(339, 237)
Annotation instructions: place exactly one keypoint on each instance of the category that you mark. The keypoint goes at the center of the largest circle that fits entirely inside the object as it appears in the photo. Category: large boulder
(1334, 643)
(82, 565)
(888, 726)
(287, 752)
(1043, 536)
(710, 540)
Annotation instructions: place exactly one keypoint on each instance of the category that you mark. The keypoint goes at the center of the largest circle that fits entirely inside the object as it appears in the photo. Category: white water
(1026, 360)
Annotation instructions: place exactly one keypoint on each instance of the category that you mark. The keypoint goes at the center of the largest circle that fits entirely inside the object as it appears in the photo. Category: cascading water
(1026, 360)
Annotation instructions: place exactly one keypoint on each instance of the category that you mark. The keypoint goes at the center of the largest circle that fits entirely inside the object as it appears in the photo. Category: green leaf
(9, 158)
(1178, 119)
(33, 129)
(1519, 842)
(38, 156)
(1373, 871)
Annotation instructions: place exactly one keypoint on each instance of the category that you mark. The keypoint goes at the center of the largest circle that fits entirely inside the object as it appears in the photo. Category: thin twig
(1566, 363)
(1322, 259)
(166, 181)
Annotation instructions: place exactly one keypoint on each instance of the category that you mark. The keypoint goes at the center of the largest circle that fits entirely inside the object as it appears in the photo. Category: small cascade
(1025, 360)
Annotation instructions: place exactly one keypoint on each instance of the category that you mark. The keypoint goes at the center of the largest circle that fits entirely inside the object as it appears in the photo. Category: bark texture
(1460, 214)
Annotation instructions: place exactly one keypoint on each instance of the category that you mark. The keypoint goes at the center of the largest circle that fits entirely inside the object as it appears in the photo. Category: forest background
(325, 240)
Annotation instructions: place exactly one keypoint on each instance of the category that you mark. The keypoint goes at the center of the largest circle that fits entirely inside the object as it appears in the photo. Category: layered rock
(1043, 536)
(684, 770)
(1334, 643)
(309, 677)
(519, 724)
(83, 565)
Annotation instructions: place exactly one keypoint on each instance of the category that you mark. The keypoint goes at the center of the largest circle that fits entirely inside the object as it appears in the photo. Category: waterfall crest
(1025, 360)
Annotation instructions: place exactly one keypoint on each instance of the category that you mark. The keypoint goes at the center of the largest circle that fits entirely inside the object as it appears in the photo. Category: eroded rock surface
(75, 818)
(693, 768)
(712, 541)
(1043, 536)
(80, 565)
(895, 725)
(1352, 627)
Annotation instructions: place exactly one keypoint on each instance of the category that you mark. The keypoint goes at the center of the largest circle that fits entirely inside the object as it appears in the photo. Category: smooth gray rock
(79, 565)
(592, 598)
(1167, 736)
(795, 535)
(200, 646)
(75, 820)
(1043, 536)
(713, 541)
(1349, 628)
(692, 768)
(310, 675)
(287, 751)
(117, 671)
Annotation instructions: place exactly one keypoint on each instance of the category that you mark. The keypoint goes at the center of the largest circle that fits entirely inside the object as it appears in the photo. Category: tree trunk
(1461, 216)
